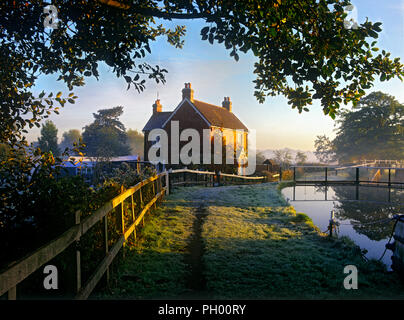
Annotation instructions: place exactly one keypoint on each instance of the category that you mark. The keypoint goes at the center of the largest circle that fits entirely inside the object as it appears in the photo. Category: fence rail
(355, 174)
(182, 177)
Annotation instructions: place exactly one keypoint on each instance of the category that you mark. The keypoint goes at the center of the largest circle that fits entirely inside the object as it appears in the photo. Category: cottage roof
(215, 115)
(270, 161)
(156, 120)
(219, 116)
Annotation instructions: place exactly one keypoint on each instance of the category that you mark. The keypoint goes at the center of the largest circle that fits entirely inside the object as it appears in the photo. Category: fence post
(280, 173)
(120, 220)
(74, 272)
(141, 203)
(106, 249)
(331, 225)
(12, 293)
(160, 187)
(294, 173)
(154, 192)
(78, 255)
(218, 178)
(357, 176)
(167, 183)
(326, 174)
(390, 177)
(133, 215)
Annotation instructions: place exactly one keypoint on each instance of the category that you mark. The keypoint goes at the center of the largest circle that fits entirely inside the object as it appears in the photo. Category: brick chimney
(157, 107)
(227, 103)
(187, 92)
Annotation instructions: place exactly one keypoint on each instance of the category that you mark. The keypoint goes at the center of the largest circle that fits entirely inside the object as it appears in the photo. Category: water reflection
(365, 214)
(359, 210)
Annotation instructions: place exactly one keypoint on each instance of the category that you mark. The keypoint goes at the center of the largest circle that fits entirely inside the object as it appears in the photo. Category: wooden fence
(182, 177)
(161, 184)
(353, 174)
(10, 278)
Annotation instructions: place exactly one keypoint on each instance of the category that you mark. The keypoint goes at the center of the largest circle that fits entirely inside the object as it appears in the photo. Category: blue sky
(214, 75)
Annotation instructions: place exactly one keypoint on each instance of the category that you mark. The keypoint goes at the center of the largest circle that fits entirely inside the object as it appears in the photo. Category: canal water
(358, 209)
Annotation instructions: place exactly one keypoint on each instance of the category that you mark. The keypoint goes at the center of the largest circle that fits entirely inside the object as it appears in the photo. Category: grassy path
(241, 242)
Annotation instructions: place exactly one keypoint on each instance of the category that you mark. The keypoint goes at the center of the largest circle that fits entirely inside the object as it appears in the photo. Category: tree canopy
(283, 157)
(324, 149)
(136, 142)
(304, 49)
(106, 136)
(48, 141)
(70, 138)
(372, 130)
(300, 157)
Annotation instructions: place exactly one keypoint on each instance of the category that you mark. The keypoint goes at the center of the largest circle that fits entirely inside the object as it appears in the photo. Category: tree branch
(155, 12)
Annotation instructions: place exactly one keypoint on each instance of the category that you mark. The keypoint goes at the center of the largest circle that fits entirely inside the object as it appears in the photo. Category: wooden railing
(194, 177)
(10, 278)
(357, 175)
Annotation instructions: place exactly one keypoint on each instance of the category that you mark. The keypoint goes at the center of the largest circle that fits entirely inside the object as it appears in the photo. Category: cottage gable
(188, 116)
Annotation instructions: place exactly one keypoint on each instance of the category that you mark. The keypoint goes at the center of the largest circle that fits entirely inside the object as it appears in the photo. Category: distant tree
(136, 142)
(48, 141)
(106, 136)
(259, 158)
(283, 158)
(324, 149)
(4, 151)
(300, 158)
(69, 138)
(373, 130)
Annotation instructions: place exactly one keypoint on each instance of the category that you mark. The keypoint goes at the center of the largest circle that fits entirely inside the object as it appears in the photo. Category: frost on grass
(154, 265)
(258, 247)
(255, 246)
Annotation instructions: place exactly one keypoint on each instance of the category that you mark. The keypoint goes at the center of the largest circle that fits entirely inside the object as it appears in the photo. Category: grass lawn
(254, 246)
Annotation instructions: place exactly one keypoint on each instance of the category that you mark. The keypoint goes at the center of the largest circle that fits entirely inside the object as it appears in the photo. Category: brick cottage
(191, 113)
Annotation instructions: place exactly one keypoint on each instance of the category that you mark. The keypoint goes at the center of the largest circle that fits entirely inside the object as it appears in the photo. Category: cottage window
(240, 140)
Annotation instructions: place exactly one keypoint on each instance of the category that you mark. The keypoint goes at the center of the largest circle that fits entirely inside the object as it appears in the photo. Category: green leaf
(373, 34)
(204, 31)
